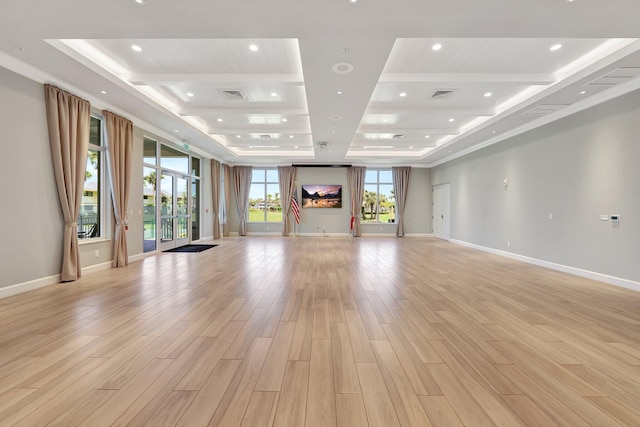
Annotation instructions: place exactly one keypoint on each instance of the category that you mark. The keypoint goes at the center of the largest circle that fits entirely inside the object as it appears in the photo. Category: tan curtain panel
(356, 186)
(215, 197)
(241, 187)
(287, 178)
(68, 120)
(119, 142)
(226, 173)
(400, 189)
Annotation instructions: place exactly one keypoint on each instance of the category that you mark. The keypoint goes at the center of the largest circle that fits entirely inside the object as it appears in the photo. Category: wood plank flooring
(272, 331)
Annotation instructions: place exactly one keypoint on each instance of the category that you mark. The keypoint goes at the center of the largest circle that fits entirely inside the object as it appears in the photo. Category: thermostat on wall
(614, 218)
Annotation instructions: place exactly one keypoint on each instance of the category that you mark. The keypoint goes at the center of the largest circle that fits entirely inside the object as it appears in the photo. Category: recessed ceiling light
(493, 131)
(335, 117)
(411, 147)
(253, 48)
(333, 131)
(237, 136)
(403, 94)
(555, 47)
(450, 151)
(384, 120)
(274, 94)
(339, 92)
(104, 92)
(290, 136)
(295, 146)
(139, 1)
(452, 119)
(284, 120)
(583, 92)
(176, 130)
(436, 46)
(189, 94)
(219, 120)
(488, 94)
(427, 136)
(136, 48)
(353, 1)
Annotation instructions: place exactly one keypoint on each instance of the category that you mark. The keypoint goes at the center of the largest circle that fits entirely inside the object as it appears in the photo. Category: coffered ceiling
(366, 82)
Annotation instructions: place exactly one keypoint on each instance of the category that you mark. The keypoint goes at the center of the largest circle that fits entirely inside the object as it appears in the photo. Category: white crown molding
(592, 101)
(39, 76)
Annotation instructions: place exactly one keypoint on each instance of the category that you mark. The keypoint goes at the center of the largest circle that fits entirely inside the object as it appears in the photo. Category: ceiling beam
(446, 111)
(227, 78)
(407, 131)
(243, 111)
(543, 79)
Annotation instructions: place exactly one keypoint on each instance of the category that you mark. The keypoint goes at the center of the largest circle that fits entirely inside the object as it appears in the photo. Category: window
(89, 218)
(264, 196)
(195, 198)
(378, 203)
(150, 174)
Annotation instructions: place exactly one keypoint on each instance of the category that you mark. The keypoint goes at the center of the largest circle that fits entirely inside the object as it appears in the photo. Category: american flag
(295, 207)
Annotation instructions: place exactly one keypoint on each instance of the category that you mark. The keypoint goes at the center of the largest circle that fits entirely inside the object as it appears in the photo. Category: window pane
(272, 175)
(256, 203)
(94, 131)
(257, 175)
(371, 176)
(370, 203)
(149, 151)
(195, 166)
(386, 176)
(89, 217)
(386, 210)
(149, 205)
(174, 159)
(195, 209)
(274, 205)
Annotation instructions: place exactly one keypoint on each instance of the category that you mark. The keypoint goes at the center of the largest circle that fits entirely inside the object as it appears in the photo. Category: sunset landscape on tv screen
(322, 196)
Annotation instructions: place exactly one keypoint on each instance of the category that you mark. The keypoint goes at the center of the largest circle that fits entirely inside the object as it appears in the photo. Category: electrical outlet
(509, 244)
(97, 253)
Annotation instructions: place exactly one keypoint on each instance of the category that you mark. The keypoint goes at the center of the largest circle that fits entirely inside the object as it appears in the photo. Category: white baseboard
(322, 235)
(96, 268)
(612, 280)
(140, 257)
(418, 235)
(31, 285)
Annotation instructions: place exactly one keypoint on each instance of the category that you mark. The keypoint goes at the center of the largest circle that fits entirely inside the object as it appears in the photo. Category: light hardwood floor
(322, 332)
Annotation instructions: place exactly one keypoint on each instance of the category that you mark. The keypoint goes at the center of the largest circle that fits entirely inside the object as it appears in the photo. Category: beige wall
(575, 169)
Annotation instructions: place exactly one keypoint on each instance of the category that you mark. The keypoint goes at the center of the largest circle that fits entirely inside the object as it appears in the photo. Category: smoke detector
(322, 145)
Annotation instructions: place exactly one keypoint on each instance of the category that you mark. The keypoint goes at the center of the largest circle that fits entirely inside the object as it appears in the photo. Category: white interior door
(437, 211)
(442, 211)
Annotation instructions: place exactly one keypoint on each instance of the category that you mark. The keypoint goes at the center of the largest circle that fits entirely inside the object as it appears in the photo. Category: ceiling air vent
(543, 109)
(443, 93)
(264, 136)
(616, 77)
(233, 94)
(397, 136)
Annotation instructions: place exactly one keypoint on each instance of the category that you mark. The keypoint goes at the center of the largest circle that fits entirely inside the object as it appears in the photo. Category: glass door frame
(179, 236)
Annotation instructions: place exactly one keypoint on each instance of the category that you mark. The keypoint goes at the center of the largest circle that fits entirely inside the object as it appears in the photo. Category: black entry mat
(191, 248)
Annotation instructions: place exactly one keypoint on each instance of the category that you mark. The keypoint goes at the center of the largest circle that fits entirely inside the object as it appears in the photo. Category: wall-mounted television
(322, 196)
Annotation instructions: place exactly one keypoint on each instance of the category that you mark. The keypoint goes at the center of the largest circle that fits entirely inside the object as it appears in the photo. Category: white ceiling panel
(203, 49)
